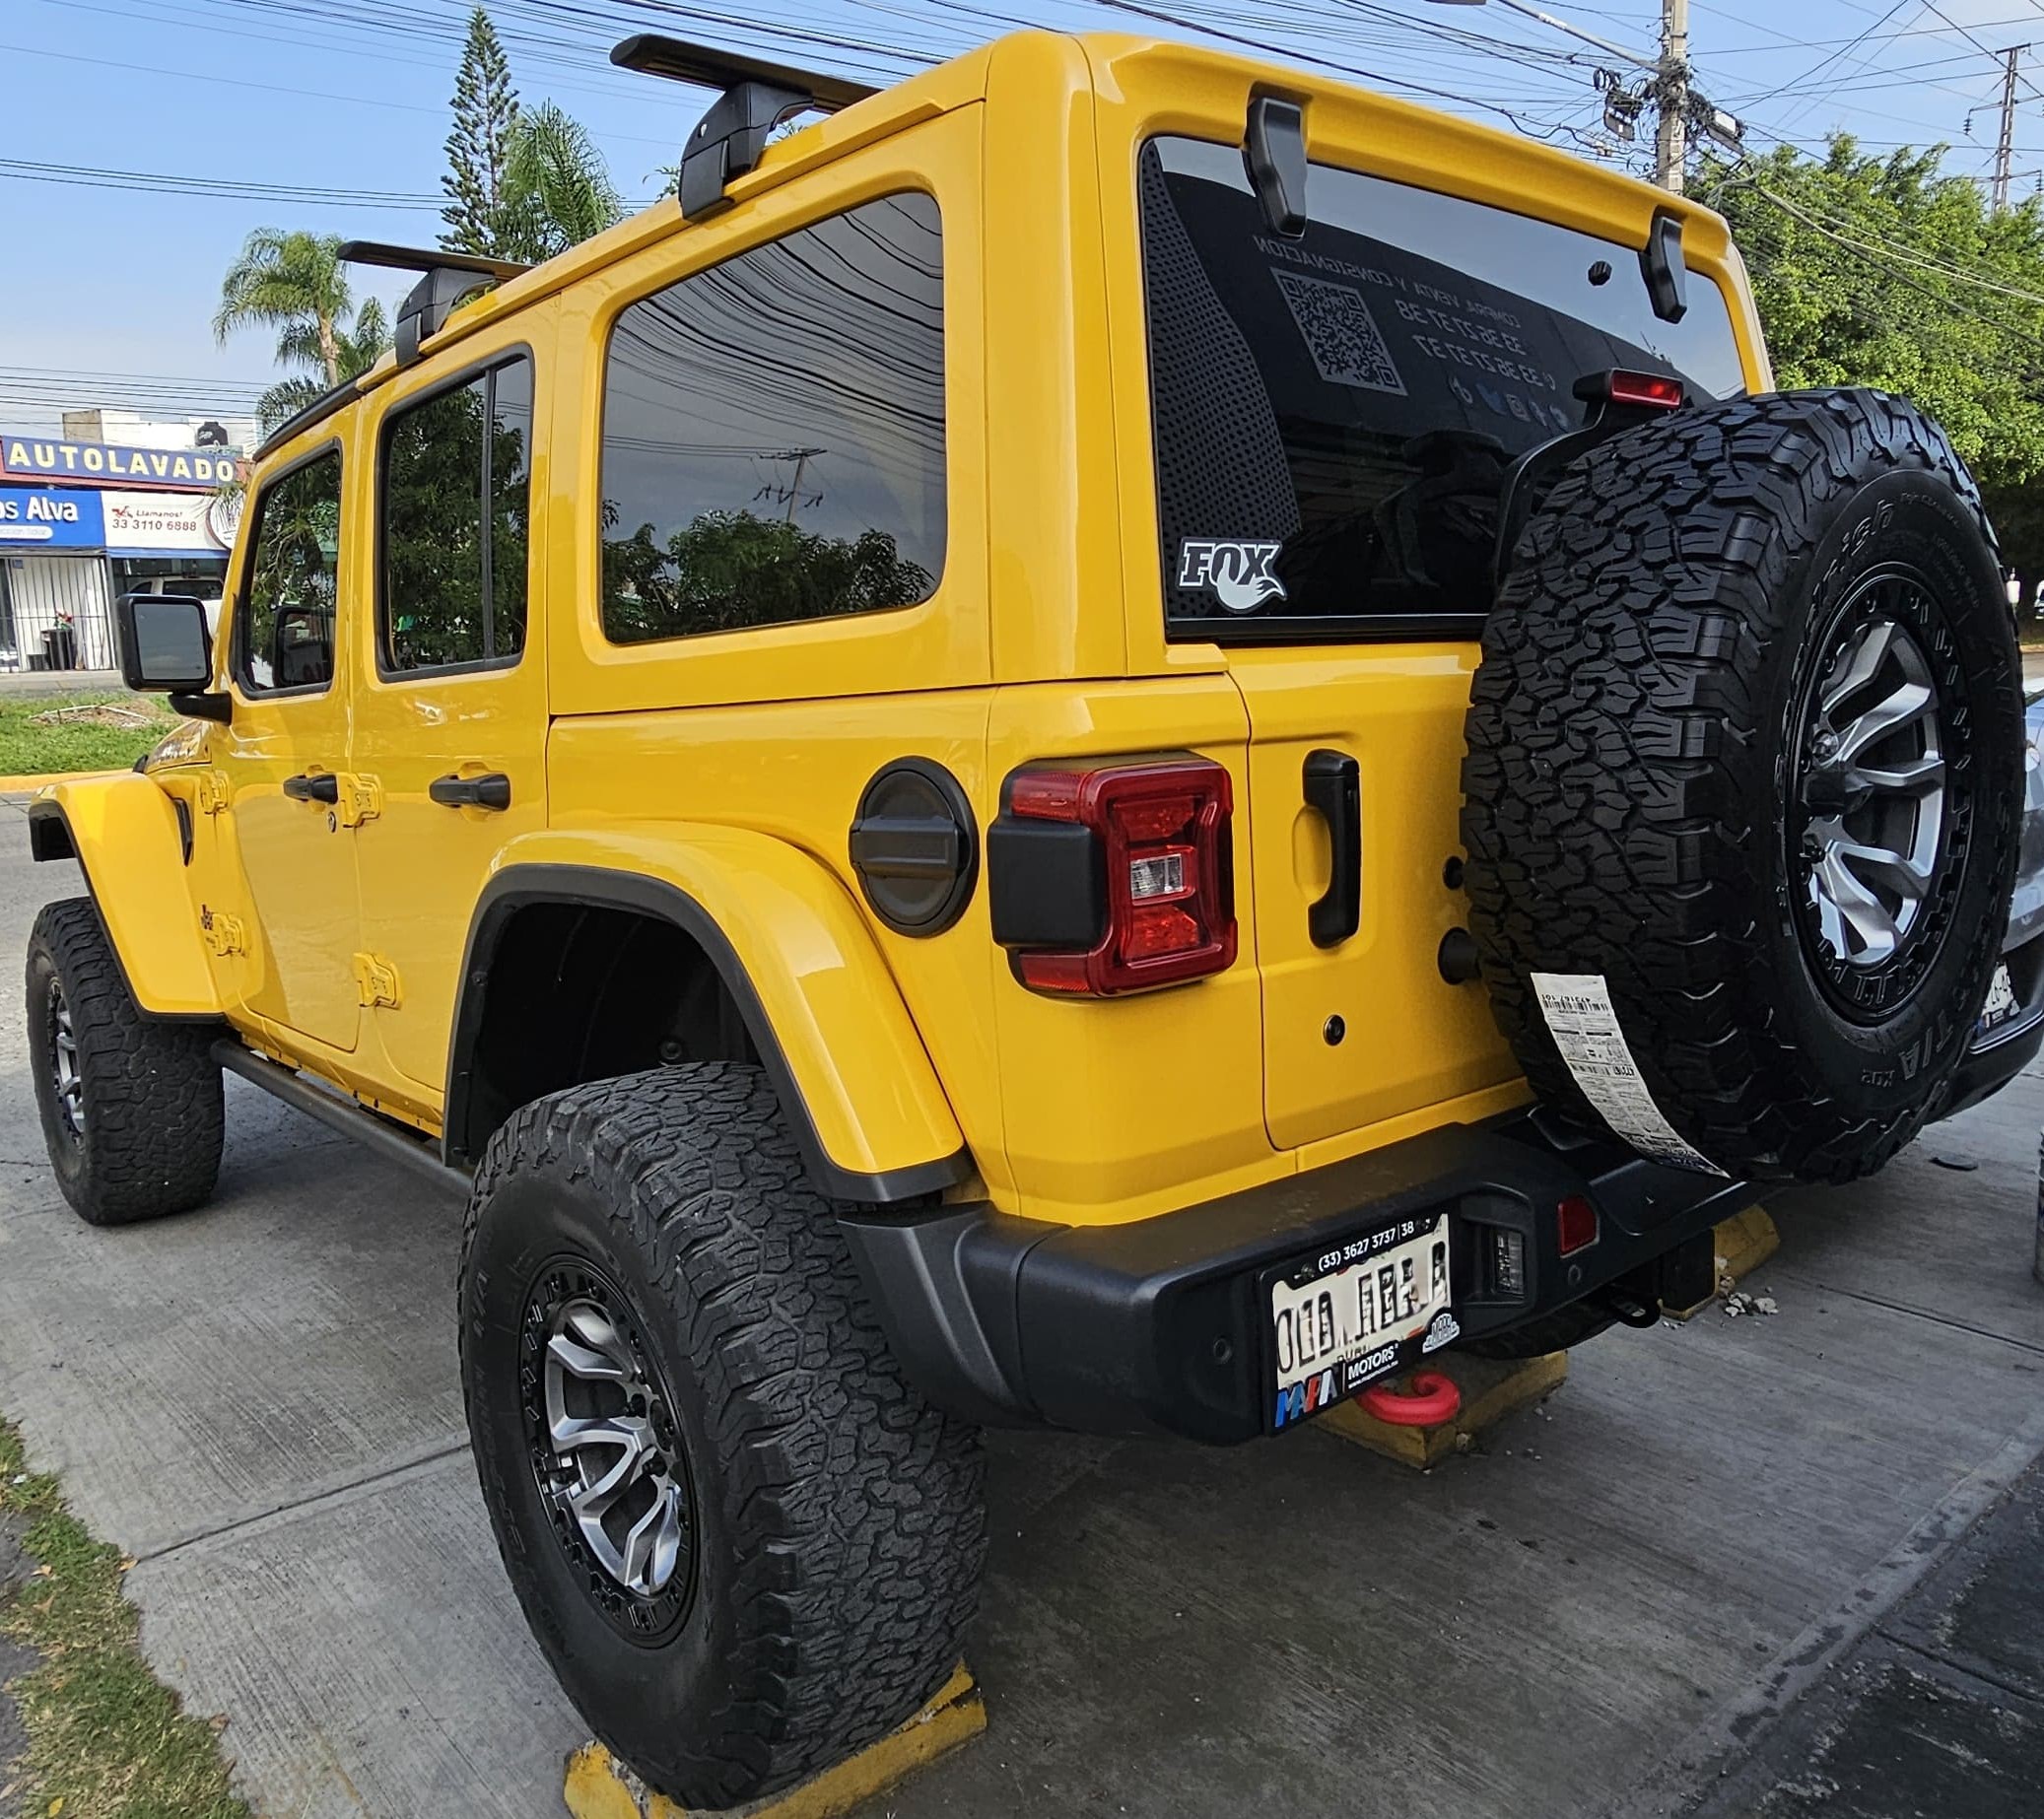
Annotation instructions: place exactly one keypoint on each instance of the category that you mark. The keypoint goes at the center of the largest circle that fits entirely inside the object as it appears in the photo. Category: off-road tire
(839, 1524)
(150, 1138)
(1633, 752)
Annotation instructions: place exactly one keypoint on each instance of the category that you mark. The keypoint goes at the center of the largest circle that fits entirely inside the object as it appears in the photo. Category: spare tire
(1742, 784)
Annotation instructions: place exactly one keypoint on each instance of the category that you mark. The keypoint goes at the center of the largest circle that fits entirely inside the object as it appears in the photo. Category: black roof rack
(756, 97)
(450, 278)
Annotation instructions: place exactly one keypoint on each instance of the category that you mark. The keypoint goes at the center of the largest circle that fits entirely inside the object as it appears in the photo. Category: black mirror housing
(165, 644)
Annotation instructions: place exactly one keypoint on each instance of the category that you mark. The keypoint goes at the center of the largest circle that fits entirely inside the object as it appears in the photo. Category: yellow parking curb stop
(1744, 1241)
(600, 1788)
(1491, 1390)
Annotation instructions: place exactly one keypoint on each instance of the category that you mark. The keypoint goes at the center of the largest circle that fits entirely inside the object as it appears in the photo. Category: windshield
(1335, 414)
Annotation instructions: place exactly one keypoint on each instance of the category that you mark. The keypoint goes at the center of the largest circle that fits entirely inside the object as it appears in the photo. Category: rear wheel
(131, 1105)
(747, 1546)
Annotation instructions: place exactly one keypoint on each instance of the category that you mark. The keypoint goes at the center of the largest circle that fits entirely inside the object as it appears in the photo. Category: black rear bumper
(1160, 1325)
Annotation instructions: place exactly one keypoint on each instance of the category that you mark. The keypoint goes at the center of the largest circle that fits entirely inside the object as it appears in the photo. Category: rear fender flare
(862, 1097)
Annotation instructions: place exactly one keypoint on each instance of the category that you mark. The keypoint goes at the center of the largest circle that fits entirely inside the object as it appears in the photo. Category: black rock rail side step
(418, 1154)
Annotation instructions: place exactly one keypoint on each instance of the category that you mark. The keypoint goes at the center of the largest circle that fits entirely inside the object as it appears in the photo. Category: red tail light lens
(1140, 892)
(1575, 1225)
(1655, 389)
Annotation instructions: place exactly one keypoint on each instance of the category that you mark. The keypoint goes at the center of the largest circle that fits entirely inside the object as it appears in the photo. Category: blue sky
(351, 95)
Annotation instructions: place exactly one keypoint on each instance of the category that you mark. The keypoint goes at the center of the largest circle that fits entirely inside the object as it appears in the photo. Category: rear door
(1335, 417)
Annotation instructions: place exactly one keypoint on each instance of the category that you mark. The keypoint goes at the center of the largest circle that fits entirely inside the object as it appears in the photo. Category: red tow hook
(1429, 1399)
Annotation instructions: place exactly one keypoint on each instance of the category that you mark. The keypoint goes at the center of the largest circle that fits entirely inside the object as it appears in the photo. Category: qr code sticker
(1341, 333)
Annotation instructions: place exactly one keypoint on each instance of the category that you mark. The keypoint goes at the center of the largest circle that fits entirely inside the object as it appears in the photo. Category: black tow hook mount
(1629, 1309)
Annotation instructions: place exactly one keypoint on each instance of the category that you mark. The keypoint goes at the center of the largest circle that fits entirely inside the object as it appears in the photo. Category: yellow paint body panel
(849, 1044)
(730, 765)
(125, 831)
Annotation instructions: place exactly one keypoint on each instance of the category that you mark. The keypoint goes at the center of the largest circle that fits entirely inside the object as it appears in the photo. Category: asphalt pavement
(1619, 1603)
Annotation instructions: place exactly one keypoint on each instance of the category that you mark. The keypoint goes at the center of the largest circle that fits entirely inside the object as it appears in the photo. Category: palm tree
(356, 350)
(294, 282)
(291, 281)
(557, 189)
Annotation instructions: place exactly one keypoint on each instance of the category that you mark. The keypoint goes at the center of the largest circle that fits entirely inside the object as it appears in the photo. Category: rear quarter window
(1335, 414)
(773, 432)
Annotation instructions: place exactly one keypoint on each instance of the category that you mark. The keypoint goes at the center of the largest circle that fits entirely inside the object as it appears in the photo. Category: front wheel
(746, 1545)
(132, 1105)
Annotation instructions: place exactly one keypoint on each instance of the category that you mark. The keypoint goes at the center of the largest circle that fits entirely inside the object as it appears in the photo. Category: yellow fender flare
(817, 997)
(126, 834)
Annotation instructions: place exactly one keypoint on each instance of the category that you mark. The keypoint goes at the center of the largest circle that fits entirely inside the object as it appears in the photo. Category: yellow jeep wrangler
(1116, 740)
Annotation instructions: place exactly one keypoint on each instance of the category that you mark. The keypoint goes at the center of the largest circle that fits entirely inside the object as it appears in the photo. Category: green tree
(486, 117)
(558, 190)
(1888, 272)
(359, 349)
(293, 282)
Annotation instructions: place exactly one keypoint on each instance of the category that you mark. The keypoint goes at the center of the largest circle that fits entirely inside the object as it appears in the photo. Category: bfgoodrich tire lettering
(1647, 791)
(834, 1522)
(131, 1105)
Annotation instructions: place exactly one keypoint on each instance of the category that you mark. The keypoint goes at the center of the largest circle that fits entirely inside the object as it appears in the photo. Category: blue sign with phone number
(52, 518)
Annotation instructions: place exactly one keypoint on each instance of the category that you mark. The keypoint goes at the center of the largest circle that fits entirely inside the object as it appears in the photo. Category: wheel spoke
(1909, 775)
(593, 1367)
(633, 1434)
(1860, 665)
(653, 1544)
(1906, 704)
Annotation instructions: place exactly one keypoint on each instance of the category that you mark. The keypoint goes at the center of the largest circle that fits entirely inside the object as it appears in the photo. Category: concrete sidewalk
(260, 1402)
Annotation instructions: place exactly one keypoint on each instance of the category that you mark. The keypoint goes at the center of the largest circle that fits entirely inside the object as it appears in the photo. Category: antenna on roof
(450, 279)
(756, 97)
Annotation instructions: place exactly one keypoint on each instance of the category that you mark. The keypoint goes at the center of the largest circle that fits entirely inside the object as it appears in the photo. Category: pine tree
(486, 113)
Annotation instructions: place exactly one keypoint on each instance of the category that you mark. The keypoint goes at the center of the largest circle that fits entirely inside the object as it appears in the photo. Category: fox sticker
(1238, 571)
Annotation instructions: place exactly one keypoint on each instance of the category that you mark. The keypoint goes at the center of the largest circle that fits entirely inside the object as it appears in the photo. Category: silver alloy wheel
(63, 1063)
(1872, 792)
(618, 1478)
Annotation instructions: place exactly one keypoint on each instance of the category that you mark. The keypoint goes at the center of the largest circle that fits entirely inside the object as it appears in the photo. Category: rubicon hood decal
(1238, 571)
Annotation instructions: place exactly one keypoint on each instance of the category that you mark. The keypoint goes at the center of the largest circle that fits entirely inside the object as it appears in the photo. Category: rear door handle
(324, 787)
(1334, 790)
(491, 791)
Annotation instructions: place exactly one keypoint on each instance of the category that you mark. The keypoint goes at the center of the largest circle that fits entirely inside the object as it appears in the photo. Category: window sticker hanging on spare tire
(1584, 1025)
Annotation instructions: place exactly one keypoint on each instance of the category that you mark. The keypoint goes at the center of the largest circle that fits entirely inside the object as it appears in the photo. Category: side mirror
(165, 646)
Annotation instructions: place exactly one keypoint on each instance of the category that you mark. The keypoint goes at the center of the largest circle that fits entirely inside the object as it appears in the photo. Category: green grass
(106, 1740)
(34, 747)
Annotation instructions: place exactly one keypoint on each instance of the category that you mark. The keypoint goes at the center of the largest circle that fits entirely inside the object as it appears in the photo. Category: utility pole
(2005, 145)
(1671, 97)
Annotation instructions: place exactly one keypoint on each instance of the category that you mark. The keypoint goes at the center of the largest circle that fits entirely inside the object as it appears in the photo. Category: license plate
(1349, 1316)
(2001, 1002)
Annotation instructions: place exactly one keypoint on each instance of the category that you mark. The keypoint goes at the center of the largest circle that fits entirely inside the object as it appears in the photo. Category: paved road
(1607, 1605)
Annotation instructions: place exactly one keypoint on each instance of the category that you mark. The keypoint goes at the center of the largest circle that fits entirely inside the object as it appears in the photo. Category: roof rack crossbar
(756, 98)
(450, 278)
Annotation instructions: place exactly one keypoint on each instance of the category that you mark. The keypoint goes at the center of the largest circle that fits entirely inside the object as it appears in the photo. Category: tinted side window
(773, 432)
(287, 619)
(450, 595)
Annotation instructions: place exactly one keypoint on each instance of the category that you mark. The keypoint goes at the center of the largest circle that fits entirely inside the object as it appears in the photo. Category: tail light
(1575, 1225)
(1116, 878)
(1653, 392)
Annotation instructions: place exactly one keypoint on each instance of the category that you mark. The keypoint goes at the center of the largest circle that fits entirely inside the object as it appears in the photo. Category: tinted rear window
(1335, 414)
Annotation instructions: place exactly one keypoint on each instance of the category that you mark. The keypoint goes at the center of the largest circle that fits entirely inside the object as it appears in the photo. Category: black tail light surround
(1117, 876)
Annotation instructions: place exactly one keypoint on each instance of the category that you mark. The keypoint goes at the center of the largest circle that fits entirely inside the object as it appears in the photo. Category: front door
(450, 707)
(283, 758)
